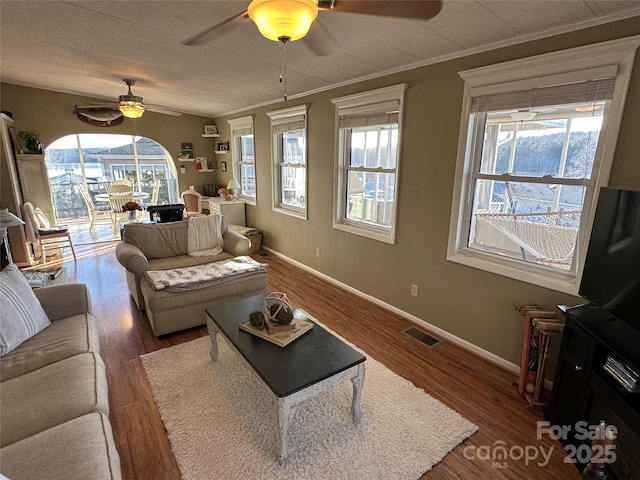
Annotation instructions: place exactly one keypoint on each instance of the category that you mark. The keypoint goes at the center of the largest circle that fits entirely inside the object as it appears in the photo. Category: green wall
(472, 304)
(50, 114)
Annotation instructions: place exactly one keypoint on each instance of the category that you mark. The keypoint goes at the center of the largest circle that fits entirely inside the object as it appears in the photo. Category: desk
(104, 197)
(233, 211)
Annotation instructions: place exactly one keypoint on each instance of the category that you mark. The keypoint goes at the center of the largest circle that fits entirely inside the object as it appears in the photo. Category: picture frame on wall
(223, 166)
(210, 130)
(186, 152)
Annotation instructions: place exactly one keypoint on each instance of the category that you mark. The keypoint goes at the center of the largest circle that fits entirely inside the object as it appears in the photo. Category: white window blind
(580, 92)
(368, 120)
(241, 127)
(241, 132)
(289, 125)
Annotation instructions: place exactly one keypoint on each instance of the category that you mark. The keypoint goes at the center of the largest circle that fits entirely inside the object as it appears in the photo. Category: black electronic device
(611, 276)
(166, 213)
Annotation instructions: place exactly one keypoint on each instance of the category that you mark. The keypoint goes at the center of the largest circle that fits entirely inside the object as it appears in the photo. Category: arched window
(96, 160)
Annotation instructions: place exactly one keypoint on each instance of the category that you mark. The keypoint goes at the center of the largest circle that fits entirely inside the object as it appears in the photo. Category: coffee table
(309, 365)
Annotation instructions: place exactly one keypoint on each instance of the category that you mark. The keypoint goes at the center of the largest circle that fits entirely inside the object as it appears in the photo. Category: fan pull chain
(283, 63)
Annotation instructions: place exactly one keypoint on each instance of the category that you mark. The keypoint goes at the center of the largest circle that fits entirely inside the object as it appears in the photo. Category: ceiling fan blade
(320, 40)
(161, 109)
(216, 30)
(97, 106)
(419, 9)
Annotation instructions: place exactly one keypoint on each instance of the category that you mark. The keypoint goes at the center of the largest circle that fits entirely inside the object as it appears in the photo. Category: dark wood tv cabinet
(585, 394)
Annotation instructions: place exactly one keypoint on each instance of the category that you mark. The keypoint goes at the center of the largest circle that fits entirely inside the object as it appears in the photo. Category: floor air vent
(422, 336)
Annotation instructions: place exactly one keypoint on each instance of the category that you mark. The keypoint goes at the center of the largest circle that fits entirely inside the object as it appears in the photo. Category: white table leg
(285, 412)
(358, 383)
(213, 334)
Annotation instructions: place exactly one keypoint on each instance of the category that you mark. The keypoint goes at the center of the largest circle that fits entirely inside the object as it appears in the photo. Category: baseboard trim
(493, 358)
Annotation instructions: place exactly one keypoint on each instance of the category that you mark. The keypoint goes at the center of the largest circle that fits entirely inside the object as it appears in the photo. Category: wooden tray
(275, 327)
(281, 338)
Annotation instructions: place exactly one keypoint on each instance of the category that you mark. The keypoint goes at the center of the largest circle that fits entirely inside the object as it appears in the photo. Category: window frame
(239, 128)
(548, 69)
(294, 118)
(373, 102)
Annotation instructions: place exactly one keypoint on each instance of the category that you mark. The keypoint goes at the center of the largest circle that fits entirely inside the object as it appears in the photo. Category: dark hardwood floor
(479, 390)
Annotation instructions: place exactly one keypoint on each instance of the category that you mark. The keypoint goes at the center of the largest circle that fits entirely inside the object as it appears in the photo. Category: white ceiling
(87, 47)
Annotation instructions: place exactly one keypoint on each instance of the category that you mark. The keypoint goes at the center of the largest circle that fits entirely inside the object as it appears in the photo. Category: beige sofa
(164, 246)
(54, 409)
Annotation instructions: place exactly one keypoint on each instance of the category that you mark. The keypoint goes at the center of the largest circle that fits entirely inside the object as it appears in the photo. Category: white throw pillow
(21, 315)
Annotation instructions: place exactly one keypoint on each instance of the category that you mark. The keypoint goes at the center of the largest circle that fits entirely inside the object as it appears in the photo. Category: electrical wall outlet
(317, 252)
(414, 290)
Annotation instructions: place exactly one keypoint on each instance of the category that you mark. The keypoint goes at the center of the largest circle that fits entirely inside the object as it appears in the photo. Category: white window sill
(301, 214)
(374, 234)
(248, 200)
(556, 281)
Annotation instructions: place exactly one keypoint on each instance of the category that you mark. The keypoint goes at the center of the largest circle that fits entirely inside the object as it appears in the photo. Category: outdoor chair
(155, 190)
(95, 211)
(39, 231)
(123, 181)
(118, 196)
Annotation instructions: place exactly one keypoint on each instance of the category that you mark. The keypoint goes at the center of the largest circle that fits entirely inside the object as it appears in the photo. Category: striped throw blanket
(201, 276)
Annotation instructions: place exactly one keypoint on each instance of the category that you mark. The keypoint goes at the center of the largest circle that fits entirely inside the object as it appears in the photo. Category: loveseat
(148, 248)
(54, 408)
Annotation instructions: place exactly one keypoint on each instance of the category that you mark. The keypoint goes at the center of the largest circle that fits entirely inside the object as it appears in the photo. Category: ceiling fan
(289, 20)
(129, 105)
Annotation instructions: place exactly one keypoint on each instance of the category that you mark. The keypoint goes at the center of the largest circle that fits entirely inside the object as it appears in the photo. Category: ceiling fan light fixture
(277, 19)
(130, 105)
(523, 115)
(131, 109)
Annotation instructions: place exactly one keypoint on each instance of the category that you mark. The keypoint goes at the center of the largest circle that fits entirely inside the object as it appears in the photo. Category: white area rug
(221, 422)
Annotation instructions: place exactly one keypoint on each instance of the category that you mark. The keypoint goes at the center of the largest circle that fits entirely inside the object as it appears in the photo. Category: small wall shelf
(205, 170)
(220, 152)
(210, 135)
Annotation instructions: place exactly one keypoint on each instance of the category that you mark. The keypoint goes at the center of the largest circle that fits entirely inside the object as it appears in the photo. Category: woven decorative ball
(277, 308)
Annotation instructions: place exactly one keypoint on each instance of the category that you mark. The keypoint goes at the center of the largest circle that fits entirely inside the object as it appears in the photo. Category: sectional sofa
(54, 407)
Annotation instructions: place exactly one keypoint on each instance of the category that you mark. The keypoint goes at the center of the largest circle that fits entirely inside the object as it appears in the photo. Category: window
(533, 152)
(95, 160)
(244, 161)
(367, 162)
(289, 143)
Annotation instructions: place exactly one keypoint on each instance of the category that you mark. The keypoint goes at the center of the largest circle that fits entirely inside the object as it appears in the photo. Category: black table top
(313, 357)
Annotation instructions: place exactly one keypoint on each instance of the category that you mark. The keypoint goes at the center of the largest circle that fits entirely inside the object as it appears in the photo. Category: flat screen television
(611, 276)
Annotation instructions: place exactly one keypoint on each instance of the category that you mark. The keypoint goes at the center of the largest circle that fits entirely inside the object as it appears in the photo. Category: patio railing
(68, 203)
